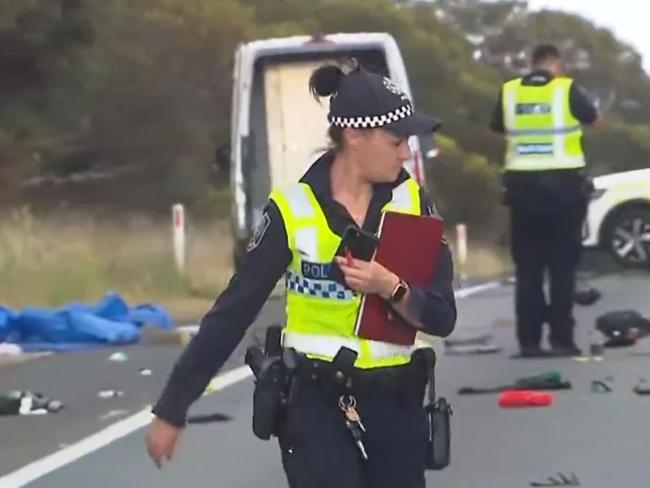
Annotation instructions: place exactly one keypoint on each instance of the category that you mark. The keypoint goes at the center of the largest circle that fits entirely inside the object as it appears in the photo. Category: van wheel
(628, 237)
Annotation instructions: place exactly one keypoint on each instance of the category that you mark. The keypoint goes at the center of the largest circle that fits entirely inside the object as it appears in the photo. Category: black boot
(565, 350)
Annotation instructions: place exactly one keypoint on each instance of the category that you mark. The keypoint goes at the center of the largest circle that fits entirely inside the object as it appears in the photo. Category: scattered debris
(119, 357)
(562, 481)
(206, 419)
(145, 372)
(110, 394)
(28, 403)
(481, 344)
(468, 340)
(525, 398)
(641, 388)
(549, 380)
(585, 294)
(599, 386)
(623, 327)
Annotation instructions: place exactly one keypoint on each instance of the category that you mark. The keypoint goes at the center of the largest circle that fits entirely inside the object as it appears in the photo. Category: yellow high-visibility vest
(321, 313)
(542, 132)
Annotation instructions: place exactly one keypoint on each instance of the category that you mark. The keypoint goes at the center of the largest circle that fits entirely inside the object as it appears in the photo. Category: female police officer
(361, 176)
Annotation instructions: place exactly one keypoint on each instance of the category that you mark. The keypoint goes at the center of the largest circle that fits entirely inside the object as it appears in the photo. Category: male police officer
(546, 190)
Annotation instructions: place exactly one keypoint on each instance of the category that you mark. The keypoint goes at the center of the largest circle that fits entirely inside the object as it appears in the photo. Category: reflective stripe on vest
(321, 313)
(542, 132)
(328, 346)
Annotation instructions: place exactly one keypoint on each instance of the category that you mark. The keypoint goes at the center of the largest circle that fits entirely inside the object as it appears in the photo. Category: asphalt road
(76, 378)
(602, 438)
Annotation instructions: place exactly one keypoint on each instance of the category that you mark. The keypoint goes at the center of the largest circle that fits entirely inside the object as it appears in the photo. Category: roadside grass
(49, 261)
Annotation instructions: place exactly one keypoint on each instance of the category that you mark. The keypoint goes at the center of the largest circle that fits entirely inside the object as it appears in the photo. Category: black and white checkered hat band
(372, 121)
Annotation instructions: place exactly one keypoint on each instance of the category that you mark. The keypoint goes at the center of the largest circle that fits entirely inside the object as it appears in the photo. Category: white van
(277, 126)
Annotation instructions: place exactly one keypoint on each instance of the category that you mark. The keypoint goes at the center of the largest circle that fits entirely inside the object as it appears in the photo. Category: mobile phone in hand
(356, 243)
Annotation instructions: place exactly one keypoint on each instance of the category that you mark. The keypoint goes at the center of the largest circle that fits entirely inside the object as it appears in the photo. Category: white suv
(618, 218)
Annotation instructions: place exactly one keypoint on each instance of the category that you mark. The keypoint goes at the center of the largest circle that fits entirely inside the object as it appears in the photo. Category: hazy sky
(628, 19)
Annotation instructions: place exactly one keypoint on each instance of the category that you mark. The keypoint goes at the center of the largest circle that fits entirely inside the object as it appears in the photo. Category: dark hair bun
(325, 81)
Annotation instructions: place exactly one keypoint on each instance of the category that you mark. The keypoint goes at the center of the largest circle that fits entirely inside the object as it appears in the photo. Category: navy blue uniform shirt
(223, 327)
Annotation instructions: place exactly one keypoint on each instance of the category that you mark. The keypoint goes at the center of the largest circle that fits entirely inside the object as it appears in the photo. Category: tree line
(107, 104)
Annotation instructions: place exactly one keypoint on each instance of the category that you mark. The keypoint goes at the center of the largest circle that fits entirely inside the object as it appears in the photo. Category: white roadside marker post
(461, 251)
(178, 222)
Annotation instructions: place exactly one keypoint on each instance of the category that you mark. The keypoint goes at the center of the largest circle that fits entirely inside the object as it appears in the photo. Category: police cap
(365, 100)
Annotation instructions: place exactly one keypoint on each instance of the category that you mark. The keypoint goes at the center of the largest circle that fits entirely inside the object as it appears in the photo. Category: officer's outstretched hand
(367, 276)
(161, 440)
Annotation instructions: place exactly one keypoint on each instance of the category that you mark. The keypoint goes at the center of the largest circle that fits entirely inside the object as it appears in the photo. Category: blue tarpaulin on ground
(6, 316)
(79, 325)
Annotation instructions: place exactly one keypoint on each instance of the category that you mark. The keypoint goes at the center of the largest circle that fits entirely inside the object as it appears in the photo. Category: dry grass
(487, 262)
(483, 260)
(49, 262)
(53, 261)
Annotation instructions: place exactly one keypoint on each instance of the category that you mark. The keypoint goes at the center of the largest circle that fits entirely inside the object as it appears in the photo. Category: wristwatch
(398, 292)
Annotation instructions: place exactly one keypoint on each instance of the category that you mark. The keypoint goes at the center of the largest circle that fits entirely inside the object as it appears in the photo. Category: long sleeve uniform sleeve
(223, 327)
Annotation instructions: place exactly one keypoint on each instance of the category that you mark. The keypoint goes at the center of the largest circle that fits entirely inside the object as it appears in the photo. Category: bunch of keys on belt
(348, 404)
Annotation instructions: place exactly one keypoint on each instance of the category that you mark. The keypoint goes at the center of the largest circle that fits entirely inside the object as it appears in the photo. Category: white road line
(69, 454)
(230, 378)
(46, 465)
(113, 432)
(472, 290)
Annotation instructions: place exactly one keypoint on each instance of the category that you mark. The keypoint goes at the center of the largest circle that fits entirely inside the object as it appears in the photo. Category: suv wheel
(628, 237)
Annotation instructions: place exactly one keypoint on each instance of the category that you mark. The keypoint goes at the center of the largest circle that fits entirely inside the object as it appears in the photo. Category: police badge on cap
(392, 87)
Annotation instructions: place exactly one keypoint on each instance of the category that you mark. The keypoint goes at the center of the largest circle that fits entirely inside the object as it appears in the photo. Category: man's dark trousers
(546, 242)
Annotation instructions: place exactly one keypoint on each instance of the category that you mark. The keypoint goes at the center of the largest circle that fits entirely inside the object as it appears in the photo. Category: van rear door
(278, 129)
(296, 123)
